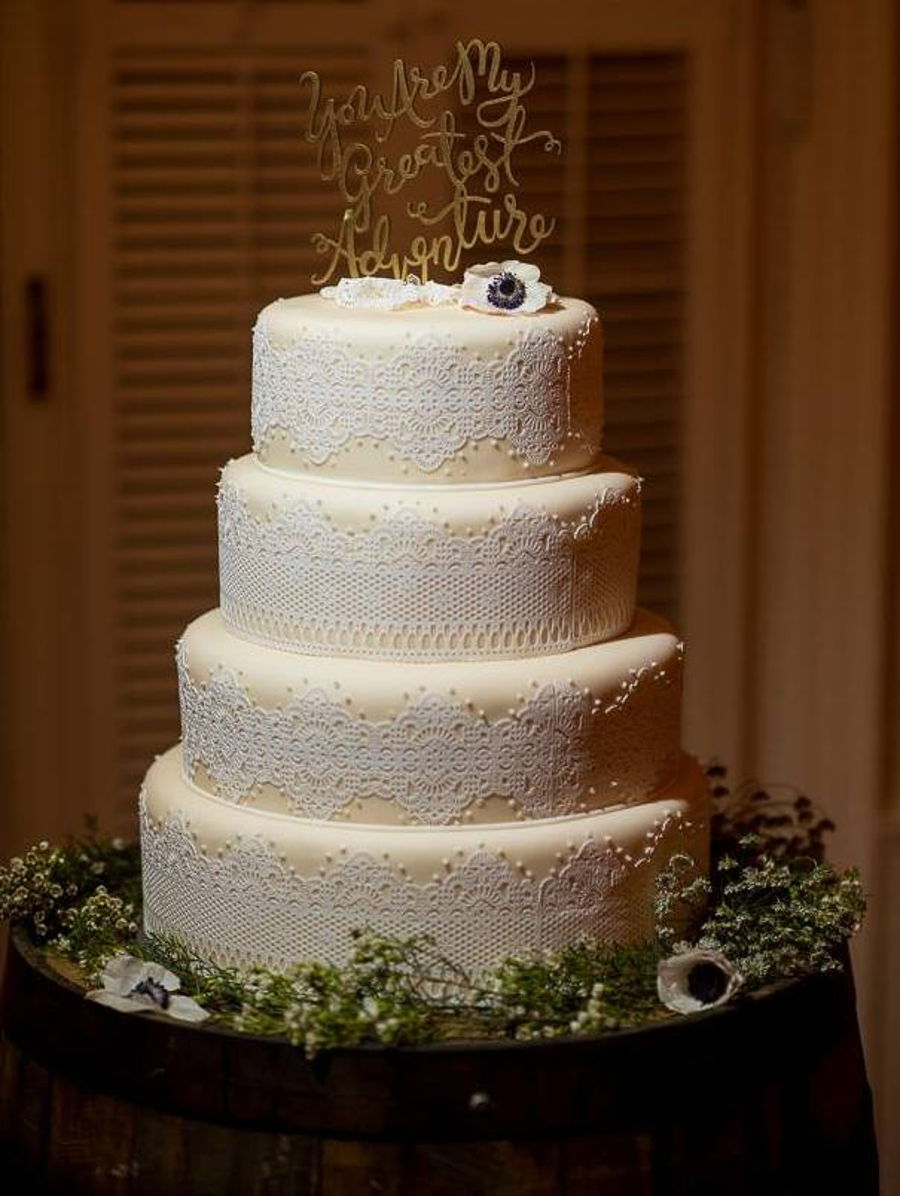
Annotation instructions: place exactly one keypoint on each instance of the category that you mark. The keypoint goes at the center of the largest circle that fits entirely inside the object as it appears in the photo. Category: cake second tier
(384, 741)
(437, 573)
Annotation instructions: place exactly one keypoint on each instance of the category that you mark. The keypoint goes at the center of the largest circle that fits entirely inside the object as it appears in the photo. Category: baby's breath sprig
(102, 925)
(775, 908)
(586, 988)
(317, 1006)
(35, 887)
(393, 990)
(404, 992)
(40, 888)
(682, 898)
(783, 918)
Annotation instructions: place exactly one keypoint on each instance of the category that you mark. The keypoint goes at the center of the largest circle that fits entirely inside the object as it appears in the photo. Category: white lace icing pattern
(407, 589)
(390, 294)
(427, 399)
(245, 905)
(559, 752)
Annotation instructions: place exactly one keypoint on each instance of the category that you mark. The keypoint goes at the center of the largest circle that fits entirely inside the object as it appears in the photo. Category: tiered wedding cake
(426, 703)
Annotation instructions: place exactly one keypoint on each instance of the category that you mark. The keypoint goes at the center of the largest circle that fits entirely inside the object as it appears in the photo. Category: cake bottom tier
(245, 886)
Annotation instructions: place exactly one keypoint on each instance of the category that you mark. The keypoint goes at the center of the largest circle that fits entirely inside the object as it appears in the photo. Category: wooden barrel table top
(768, 1095)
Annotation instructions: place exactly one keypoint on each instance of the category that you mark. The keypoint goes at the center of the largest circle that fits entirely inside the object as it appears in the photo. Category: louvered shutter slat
(215, 196)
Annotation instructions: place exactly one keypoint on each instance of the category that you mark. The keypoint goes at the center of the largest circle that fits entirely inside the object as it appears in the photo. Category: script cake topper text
(479, 205)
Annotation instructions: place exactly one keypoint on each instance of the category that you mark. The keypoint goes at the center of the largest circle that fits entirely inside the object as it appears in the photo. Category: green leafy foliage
(395, 991)
(586, 988)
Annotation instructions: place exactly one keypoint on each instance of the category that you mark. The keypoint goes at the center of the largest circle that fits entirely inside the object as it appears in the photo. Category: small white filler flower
(505, 288)
(133, 986)
(696, 980)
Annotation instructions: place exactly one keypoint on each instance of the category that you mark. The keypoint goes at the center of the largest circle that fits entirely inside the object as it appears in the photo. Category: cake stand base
(767, 1096)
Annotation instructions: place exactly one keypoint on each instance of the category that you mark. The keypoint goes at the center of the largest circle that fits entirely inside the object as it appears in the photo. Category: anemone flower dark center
(706, 982)
(157, 993)
(506, 291)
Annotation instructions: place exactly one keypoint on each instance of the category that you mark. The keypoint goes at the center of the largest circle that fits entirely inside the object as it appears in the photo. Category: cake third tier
(436, 573)
(438, 742)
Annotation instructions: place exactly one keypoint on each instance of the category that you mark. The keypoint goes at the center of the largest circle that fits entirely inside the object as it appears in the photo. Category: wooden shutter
(618, 193)
(634, 199)
(214, 199)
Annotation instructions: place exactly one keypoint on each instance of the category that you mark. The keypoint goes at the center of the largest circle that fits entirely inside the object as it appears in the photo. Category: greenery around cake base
(771, 907)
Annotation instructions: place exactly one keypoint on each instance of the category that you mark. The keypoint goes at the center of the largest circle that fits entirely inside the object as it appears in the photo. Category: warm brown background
(728, 201)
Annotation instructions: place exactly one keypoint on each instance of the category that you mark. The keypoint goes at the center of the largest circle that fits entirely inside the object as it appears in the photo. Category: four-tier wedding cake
(426, 703)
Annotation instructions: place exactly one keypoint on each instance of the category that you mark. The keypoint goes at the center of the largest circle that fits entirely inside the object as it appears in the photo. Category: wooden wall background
(728, 200)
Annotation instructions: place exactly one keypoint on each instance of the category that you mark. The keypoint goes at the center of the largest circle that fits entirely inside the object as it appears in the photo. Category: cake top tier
(426, 394)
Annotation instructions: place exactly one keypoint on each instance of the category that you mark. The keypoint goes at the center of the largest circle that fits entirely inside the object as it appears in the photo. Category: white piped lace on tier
(245, 905)
(390, 294)
(426, 399)
(559, 752)
(408, 589)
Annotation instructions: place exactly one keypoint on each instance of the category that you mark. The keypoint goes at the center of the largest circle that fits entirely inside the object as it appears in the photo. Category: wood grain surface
(769, 1095)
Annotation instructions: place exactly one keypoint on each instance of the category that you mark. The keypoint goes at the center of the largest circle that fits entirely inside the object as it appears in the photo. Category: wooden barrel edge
(622, 1080)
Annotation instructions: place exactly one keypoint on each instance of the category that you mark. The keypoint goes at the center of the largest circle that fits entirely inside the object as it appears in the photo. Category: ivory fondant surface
(408, 573)
(245, 886)
(430, 742)
(426, 395)
(424, 706)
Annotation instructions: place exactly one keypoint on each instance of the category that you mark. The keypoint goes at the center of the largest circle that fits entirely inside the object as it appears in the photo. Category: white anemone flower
(134, 986)
(696, 980)
(505, 288)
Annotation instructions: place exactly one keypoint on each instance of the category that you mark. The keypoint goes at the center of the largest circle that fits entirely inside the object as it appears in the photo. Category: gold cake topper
(482, 208)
